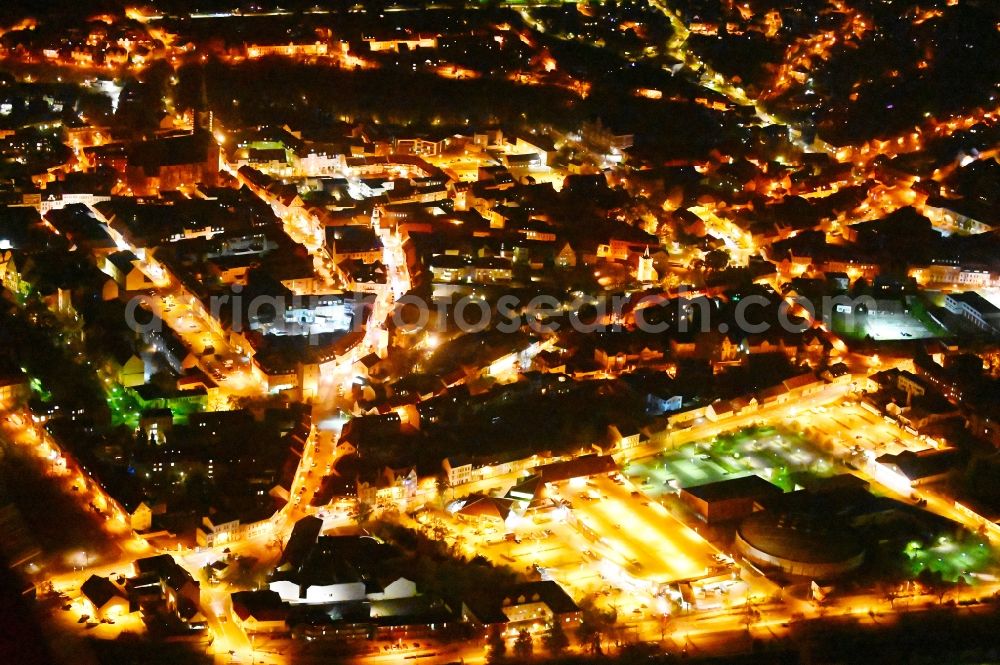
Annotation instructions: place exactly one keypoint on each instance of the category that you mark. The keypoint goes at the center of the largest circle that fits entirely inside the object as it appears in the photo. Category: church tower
(646, 273)
(202, 118)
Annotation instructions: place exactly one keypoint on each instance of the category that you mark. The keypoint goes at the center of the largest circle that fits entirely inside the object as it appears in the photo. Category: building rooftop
(805, 537)
(747, 487)
(99, 590)
(547, 592)
(924, 464)
(976, 302)
(586, 465)
(479, 505)
(190, 148)
(262, 605)
(302, 539)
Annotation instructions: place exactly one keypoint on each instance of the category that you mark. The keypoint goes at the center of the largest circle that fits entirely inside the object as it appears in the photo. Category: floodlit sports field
(882, 327)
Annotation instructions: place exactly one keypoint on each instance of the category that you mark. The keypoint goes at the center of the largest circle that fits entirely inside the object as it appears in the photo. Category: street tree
(595, 625)
(555, 639)
(523, 645)
(934, 583)
(496, 647)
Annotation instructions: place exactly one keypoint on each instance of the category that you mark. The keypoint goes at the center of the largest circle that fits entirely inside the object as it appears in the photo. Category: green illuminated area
(126, 407)
(267, 145)
(39, 390)
(182, 409)
(777, 455)
(951, 560)
(270, 145)
(123, 405)
(62, 338)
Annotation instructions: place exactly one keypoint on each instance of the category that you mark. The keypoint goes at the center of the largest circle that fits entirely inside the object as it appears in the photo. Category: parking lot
(637, 534)
(857, 428)
(773, 454)
(602, 533)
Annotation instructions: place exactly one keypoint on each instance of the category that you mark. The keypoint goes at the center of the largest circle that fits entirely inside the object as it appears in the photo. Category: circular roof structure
(801, 537)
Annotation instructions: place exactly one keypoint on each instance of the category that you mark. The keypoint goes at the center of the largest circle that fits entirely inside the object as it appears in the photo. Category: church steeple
(646, 272)
(202, 118)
